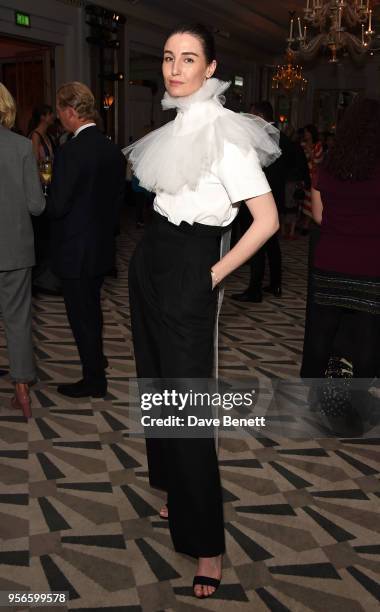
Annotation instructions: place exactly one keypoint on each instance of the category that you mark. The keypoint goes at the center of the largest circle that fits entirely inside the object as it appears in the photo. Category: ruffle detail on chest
(182, 152)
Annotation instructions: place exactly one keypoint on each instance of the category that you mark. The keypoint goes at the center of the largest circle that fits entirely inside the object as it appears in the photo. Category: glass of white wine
(46, 173)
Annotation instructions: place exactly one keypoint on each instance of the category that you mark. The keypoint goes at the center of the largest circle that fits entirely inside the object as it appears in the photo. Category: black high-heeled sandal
(206, 581)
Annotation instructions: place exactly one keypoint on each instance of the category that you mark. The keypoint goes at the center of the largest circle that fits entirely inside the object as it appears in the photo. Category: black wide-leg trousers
(173, 311)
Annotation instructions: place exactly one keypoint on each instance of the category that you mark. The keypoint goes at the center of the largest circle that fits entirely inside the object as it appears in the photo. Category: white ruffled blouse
(206, 161)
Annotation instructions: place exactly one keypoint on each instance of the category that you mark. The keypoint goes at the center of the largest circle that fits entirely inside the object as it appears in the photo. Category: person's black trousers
(173, 311)
(43, 277)
(257, 264)
(320, 336)
(84, 312)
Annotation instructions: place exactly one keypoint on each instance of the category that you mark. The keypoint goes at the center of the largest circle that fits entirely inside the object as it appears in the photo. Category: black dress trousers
(257, 262)
(173, 311)
(84, 312)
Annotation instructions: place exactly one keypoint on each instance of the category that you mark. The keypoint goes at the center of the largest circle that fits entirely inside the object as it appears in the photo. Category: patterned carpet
(77, 514)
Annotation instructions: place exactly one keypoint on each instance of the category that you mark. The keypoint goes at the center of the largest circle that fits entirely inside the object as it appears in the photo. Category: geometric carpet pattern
(77, 514)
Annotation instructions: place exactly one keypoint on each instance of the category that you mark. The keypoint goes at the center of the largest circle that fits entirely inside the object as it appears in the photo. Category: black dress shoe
(275, 289)
(83, 389)
(248, 296)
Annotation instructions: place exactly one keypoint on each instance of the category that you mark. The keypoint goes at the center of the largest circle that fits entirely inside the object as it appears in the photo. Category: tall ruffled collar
(212, 89)
(180, 153)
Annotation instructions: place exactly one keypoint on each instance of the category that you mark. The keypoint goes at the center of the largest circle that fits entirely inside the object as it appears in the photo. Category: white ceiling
(256, 25)
(255, 29)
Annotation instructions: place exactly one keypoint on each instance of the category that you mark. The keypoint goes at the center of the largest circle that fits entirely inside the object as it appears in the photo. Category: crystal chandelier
(338, 25)
(289, 76)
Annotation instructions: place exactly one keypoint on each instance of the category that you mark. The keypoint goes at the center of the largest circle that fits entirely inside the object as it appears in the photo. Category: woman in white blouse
(201, 165)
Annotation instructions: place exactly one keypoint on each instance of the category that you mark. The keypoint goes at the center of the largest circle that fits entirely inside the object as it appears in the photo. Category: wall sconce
(108, 100)
(103, 18)
(100, 41)
(116, 76)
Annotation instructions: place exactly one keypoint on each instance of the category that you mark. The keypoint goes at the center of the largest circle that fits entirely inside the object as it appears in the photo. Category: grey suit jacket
(20, 196)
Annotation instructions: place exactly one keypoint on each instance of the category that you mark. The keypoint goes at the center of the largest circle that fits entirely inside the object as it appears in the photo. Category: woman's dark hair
(38, 112)
(356, 150)
(313, 131)
(202, 33)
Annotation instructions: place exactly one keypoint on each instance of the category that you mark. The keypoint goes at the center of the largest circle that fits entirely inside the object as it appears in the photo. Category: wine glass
(46, 172)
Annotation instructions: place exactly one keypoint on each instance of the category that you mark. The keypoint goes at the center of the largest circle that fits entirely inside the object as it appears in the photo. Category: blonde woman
(20, 197)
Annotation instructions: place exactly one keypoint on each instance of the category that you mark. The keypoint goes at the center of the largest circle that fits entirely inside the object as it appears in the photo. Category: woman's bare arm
(265, 223)
(316, 205)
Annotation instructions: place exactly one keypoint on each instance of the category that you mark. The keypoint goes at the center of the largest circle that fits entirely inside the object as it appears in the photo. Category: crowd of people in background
(303, 150)
(74, 243)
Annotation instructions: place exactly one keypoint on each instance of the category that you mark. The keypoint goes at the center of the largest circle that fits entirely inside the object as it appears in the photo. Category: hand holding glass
(45, 168)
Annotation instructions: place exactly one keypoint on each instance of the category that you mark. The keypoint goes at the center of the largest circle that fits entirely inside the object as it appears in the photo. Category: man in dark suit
(277, 175)
(84, 205)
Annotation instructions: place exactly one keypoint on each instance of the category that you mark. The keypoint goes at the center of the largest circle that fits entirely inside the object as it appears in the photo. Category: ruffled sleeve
(248, 132)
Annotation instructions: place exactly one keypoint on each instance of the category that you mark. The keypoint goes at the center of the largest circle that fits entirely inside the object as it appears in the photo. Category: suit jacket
(279, 172)
(86, 196)
(20, 196)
